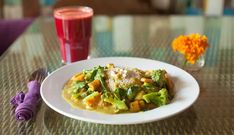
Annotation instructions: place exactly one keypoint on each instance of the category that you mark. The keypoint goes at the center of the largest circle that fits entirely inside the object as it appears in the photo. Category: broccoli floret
(116, 102)
(159, 77)
(119, 104)
(100, 75)
(96, 73)
(90, 74)
(86, 93)
(120, 93)
(158, 98)
(77, 86)
(76, 95)
(132, 92)
(100, 72)
(93, 95)
(150, 87)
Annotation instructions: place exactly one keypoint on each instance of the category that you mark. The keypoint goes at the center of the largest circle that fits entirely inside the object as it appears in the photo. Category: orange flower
(191, 46)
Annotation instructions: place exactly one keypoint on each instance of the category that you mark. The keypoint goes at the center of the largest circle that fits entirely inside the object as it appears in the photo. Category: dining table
(144, 36)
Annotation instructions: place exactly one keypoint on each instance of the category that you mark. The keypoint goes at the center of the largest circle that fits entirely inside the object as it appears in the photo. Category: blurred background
(17, 9)
(16, 15)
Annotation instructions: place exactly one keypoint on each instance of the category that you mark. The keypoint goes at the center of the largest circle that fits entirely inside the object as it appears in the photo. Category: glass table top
(137, 36)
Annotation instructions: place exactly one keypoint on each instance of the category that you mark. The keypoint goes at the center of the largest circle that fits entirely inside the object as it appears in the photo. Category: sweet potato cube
(134, 106)
(94, 85)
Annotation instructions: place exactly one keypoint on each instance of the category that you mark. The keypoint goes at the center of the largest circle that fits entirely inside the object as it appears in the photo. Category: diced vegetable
(77, 86)
(120, 93)
(90, 99)
(135, 106)
(117, 103)
(94, 85)
(94, 94)
(110, 65)
(90, 74)
(78, 77)
(75, 98)
(146, 80)
(86, 93)
(142, 104)
(80, 85)
(148, 73)
(100, 76)
(159, 77)
(82, 90)
(132, 91)
(158, 98)
(139, 95)
(149, 87)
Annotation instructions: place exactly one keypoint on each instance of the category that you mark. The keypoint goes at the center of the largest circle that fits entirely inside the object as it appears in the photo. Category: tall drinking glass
(74, 29)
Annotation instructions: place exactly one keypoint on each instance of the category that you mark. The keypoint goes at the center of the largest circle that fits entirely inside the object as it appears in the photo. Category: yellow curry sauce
(112, 90)
(80, 104)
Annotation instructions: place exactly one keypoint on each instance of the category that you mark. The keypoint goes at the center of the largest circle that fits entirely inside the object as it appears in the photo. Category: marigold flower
(191, 46)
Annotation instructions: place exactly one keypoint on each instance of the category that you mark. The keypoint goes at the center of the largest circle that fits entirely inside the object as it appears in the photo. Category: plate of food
(119, 90)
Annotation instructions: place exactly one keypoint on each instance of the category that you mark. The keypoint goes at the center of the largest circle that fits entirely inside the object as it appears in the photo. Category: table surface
(138, 36)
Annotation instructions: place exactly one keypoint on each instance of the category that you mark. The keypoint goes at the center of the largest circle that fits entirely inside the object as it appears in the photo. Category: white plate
(186, 91)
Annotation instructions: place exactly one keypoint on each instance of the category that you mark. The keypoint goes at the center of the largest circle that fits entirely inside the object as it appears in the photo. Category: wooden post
(111, 7)
(31, 8)
(1, 8)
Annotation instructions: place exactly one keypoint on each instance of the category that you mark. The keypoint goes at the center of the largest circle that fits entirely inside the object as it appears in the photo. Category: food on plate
(111, 89)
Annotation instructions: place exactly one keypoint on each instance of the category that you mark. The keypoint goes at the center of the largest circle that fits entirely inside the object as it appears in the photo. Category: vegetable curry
(112, 90)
